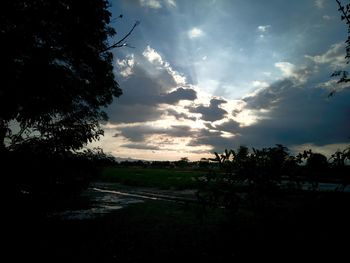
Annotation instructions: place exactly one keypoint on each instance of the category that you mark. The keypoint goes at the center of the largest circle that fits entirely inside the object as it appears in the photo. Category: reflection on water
(100, 204)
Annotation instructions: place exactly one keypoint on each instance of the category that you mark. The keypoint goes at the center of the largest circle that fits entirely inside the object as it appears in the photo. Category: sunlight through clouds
(208, 75)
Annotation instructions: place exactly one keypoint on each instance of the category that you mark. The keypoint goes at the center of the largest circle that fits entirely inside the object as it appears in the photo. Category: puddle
(101, 203)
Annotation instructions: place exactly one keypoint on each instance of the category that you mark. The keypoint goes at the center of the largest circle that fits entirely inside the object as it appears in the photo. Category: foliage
(345, 15)
(33, 172)
(253, 177)
(55, 76)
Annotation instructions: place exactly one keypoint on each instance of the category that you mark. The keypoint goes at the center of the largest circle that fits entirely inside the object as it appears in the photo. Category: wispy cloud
(195, 33)
(170, 3)
(334, 56)
(319, 3)
(155, 4)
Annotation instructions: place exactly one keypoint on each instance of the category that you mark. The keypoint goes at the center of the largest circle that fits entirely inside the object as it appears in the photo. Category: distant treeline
(258, 176)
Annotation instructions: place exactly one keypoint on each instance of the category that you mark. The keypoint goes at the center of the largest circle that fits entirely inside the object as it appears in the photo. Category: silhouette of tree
(57, 72)
(342, 74)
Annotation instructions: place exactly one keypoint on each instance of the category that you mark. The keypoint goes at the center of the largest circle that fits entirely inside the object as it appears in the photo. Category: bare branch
(121, 43)
(341, 8)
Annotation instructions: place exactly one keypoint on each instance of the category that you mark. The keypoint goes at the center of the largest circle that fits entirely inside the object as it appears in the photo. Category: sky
(209, 75)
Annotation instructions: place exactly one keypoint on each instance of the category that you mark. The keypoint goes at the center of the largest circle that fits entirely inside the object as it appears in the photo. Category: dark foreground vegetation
(312, 227)
(251, 206)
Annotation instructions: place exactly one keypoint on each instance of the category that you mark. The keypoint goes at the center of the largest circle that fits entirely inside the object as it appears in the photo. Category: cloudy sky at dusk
(208, 75)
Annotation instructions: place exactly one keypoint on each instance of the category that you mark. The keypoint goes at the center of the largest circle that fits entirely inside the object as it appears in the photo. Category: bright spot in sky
(195, 33)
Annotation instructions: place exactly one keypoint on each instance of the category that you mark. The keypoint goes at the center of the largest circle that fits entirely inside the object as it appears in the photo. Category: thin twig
(120, 42)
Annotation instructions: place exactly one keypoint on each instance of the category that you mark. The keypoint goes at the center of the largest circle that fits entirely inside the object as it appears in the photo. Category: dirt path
(103, 198)
(188, 195)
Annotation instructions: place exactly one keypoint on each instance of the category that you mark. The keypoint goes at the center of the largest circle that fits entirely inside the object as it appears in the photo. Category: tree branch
(120, 42)
(341, 8)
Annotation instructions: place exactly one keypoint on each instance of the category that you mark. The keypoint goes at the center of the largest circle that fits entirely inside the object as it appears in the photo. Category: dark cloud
(213, 139)
(140, 133)
(300, 115)
(140, 146)
(121, 113)
(269, 96)
(303, 115)
(229, 126)
(179, 94)
(211, 113)
(181, 115)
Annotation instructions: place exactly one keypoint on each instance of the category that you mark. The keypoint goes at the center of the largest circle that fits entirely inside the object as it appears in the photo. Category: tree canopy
(57, 72)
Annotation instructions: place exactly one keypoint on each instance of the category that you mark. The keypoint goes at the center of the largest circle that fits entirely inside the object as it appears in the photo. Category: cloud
(334, 56)
(141, 146)
(286, 68)
(170, 3)
(195, 33)
(264, 29)
(147, 81)
(152, 56)
(180, 115)
(260, 84)
(230, 126)
(268, 97)
(326, 17)
(154, 4)
(319, 3)
(157, 4)
(333, 85)
(299, 74)
(212, 112)
(130, 113)
(299, 116)
(126, 65)
(179, 94)
(214, 139)
(155, 58)
(140, 133)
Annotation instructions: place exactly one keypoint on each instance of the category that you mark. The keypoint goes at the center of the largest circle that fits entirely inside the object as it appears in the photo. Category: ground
(313, 226)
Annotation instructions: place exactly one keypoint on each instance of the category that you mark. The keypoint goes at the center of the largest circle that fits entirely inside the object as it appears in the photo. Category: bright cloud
(260, 84)
(300, 74)
(126, 65)
(264, 29)
(334, 56)
(155, 4)
(286, 68)
(171, 3)
(152, 56)
(195, 33)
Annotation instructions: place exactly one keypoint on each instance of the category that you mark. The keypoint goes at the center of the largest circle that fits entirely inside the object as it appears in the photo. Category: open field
(152, 177)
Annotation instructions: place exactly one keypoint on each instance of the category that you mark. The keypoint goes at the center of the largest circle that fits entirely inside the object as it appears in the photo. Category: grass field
(151, 177)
